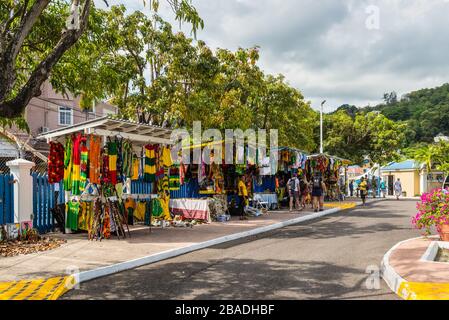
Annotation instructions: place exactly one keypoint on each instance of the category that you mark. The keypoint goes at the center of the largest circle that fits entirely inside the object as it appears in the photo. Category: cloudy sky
(344, 51)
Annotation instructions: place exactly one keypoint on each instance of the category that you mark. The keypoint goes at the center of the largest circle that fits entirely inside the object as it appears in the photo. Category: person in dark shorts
(317, 192)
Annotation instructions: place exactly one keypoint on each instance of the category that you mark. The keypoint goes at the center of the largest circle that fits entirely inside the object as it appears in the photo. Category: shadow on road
(230, 279)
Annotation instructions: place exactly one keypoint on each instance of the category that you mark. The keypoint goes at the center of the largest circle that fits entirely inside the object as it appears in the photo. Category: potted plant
(433, 211)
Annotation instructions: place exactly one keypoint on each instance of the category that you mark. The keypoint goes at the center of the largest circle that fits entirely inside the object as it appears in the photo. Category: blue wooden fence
(43, 201)
(268, 183)
(6, 199)
(187, 190)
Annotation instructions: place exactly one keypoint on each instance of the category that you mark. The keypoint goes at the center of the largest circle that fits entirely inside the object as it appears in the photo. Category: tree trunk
(14, 107)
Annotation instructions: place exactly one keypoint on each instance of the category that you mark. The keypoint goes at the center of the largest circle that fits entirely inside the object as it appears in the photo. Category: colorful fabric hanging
(130, 206)
(56, 162)
(106, 229)
(174, 180)
(150, 164)
(73, 208)
(127, 156)
(76, 178)
(156, 208)
(182, 173)
(85, 216)
(166, 157)
(120, 173)
(159, 164)
(139, 212)
(112, 153)
(105, 168)
(94, 159)
(135, 167)
(83, 163)
(164, 201)
(68, 164)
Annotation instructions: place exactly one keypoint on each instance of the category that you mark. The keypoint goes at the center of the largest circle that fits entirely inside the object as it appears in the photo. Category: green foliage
(370, 134)
(425, 111)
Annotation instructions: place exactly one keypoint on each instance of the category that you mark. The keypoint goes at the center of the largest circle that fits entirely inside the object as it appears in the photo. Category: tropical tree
(25, 64)
(370, 134)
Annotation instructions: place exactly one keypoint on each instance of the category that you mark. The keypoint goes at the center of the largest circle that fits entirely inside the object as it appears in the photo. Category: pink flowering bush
(433, 210)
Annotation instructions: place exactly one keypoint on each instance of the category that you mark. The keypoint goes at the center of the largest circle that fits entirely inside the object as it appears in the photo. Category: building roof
(405, 165)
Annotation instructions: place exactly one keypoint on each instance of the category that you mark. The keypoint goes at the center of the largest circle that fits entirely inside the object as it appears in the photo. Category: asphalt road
(322, 259)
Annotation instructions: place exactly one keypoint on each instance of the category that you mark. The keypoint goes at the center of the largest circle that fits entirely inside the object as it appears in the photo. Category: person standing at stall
(351, 188)
(294, 191)
(243, 197)
(318, 187)
(363, 188)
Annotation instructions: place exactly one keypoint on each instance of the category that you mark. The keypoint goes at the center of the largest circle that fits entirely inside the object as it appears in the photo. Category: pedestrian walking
(383, 188)
(398, 188)
(363, 188)
(374, 186)
(305, 192)
(351, 188)
(318, 189)
(294, 192)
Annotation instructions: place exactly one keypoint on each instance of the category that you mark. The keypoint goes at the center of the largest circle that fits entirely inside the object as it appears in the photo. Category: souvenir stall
(289, 162)
(330, 168)
(212, 185)
(99, 162)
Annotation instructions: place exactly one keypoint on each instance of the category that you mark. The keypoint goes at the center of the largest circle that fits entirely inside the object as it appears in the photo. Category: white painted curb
(390, 276)
(131, 264)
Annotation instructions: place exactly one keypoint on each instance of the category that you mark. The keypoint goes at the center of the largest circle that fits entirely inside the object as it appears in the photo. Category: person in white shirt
(398, 188)
(294, 191)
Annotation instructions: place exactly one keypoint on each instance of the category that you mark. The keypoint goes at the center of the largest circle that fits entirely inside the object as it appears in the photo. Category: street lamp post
(321, 127)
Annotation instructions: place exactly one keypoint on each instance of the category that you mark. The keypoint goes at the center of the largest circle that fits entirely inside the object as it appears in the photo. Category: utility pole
(321, 127)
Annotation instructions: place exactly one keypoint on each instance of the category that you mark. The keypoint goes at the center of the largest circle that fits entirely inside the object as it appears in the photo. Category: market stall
(333, 170)
(99, 162)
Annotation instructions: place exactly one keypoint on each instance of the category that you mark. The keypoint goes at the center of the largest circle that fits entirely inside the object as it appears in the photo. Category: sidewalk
(81, 254)
(410, 271)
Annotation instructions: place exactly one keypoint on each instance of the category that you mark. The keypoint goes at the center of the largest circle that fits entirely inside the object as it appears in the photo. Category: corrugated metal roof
(405, 165)
(109, 126)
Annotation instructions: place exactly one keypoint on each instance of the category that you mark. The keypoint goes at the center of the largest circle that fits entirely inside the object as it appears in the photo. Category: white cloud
(324, 48)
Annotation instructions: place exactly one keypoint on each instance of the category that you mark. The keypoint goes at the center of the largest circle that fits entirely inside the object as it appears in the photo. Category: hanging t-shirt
(73, 208)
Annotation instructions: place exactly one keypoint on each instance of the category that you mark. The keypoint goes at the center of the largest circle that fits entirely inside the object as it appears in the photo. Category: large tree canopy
(35, 35)
(366, 134)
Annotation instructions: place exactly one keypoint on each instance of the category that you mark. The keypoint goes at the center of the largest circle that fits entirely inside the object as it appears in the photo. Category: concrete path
(321, 259)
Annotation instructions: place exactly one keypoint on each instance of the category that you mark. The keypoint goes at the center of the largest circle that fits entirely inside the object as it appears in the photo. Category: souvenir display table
(270, 198)
(197, 209)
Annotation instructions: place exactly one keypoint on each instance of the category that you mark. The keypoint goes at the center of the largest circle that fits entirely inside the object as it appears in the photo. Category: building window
(65, 116)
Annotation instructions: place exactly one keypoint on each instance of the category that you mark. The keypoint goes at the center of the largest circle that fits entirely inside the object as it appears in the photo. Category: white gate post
(23, 189)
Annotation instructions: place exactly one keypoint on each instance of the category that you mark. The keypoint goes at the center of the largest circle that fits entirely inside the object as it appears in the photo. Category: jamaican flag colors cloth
(68, 164)
(150, 163)
(112, 153)
(83, 163)
(76, 174)
(174, 179)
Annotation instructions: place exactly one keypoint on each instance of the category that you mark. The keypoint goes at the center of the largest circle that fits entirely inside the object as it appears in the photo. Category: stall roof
(345, 161)
(108, 126)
